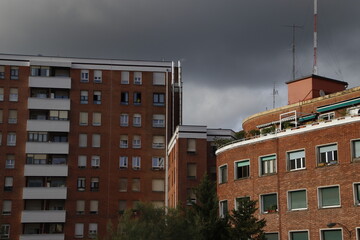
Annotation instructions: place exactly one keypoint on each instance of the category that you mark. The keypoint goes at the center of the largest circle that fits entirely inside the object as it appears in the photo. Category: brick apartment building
(303, 169)
(81, 140)
(191, 154)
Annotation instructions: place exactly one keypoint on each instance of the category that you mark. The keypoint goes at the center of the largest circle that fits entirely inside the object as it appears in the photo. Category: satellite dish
(322, 93)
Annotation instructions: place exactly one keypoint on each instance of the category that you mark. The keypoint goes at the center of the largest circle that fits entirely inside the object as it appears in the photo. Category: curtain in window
(330, 196)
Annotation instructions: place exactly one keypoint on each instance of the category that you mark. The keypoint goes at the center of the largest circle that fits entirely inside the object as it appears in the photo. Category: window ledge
(243, 178)
(329, 207)
(297, 210)
(268, 174)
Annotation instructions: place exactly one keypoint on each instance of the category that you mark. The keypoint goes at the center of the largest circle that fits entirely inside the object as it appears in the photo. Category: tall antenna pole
(293, 49)
(315, 70)
(275, 92)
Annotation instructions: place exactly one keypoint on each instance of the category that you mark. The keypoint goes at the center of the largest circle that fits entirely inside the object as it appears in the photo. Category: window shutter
(123, 185)
(125, 77)
(13, 114)
(328, 148)
(80, 206)
(191, 145)
(9, 181)
(96, 140)
(158, 185)
(83, 140)
(357, 149)
(63, 114)
(297, 154)
(243, 163)
(191, 170)
(96, 118)
(158, 78)
(79, 229)
(83, 118)
(7, 206)
(82, 161)
(14, 91)
(54, 113)
(94, 205)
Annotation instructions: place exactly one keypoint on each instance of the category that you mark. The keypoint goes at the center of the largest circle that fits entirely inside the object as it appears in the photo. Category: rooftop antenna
(315, 67)
(293, 48)
(275, 92)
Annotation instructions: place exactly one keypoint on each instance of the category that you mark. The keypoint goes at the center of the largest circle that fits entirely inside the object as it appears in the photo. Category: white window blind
(97, 119)
(80, 206)
(124, 77)
(96, 140)
(79, 230)
(12, 116)
(6, 207)
(82, 140)
(9, 181)
(97, 76)
(158, 78)
(95, 161)
(94, 206)
(82, 161)
(158, 185)
(83, 118)
(191, 145)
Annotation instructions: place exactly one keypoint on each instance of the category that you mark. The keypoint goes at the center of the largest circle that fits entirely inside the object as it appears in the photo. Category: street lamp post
(332, 224)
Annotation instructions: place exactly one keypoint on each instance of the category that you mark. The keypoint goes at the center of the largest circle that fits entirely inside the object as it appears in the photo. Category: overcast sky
(232, 51)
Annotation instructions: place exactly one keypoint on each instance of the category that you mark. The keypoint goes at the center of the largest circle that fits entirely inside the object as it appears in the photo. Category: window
(297, 200)
(191, 170)
(329, 197)
(357, 193)
(123, 184)
(240, 201)
(124, 119)
(83, 119)
(14, 73)
(191, 196)
(122, 206)
(40, 71)
(97, 76)
(326, 116)
(268, 164)
(327, 155)
(79, 230)
(242, 169)
(123, 162)
(94, 207)
(137, 78)
(191, 145)
(93, 230)
(94, 184)
(97, 97)
(5, 231)
(80, 207)
(95, 161)
(82, 140)
(12, 117)
(58, 115)
(158, 120)
(158, 78)
(82, 161)
(8, 186)
(223, 208)
(1, 116)
(158, 142)
(84, 97)
(223, 174)
(96, 121)
(158, 163)
(2, 72)
(137, 120)
(135, 186)
(81, 184)
(1, 94)
(123, 141)
(300, 235)
(272, 236)
(10, 161)
(296, 160)
(158, 185)
(159, 99)
(6, 208)
(124, 98)
(84, 77)
(137, 98)
(136, 141)
(269, 203)
(13, 97)
(96, 140)
(124, 77)
(158, 204)
(136, 161)
(11, 139)
(331, 234)
(356, 150)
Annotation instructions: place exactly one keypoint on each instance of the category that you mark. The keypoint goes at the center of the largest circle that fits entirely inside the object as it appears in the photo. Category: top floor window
(138, 78)
(2, 72)
(84, 76)
(97, 76)
(125, 77)
(268, 164)
(223, 174)
(158, 78)
(40, 71)
(326, 116)
(14, 73)
(327, 155)
(242, 169)
(296, 160)
(356, 150)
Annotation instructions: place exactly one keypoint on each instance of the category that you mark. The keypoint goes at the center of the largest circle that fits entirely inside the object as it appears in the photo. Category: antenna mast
(315, 70)
(275, 92)
(293, 49)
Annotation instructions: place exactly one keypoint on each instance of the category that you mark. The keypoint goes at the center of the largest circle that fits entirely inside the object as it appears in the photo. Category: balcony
(43, 216)
(47, 147)
(50, 82)
(45, 170)
(48, 126)
(44, 193)
(57, 236)
(49, 103)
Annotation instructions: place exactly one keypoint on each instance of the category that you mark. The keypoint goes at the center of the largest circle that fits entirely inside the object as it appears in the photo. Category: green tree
(205, 213)
(244, 224)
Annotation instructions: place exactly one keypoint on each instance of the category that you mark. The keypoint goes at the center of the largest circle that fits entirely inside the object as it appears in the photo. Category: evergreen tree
(244, 224)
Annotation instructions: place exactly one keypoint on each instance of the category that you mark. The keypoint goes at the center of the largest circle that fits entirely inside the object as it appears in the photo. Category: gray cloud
(233, 50)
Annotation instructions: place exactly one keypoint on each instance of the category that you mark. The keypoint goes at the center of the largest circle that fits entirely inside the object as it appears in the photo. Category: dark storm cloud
(232, 50)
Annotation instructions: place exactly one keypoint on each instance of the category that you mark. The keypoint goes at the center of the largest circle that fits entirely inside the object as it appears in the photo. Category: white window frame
(10, 162)
(124, 119)
(356, 192)
(272, 233)
(81, 184)
(6, 207)
(158, 120)
(79, 230)
(84, 75)
(136, 141)
(11, 139)
(236, 177)
(268, 167)
(353, 157)
(126, 98)
(125, 76)
(302, 160)
(330, 229)
(94, 184)
(5, 231)
(14, 97)
(97, 76)
(96, 140)
(298, 231)
(123, 162)
(328, 161)
(98, 97)
(265, 211)
(289, 199)
(84, 97)
(220, 174)
(96, 116)
(95, 161)
(320, 197)
(137, 78)
(137, 120)
(124, 143)
(159, 99)
(136, 162)
(158, 163)
(326, 116)
(222, 213)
